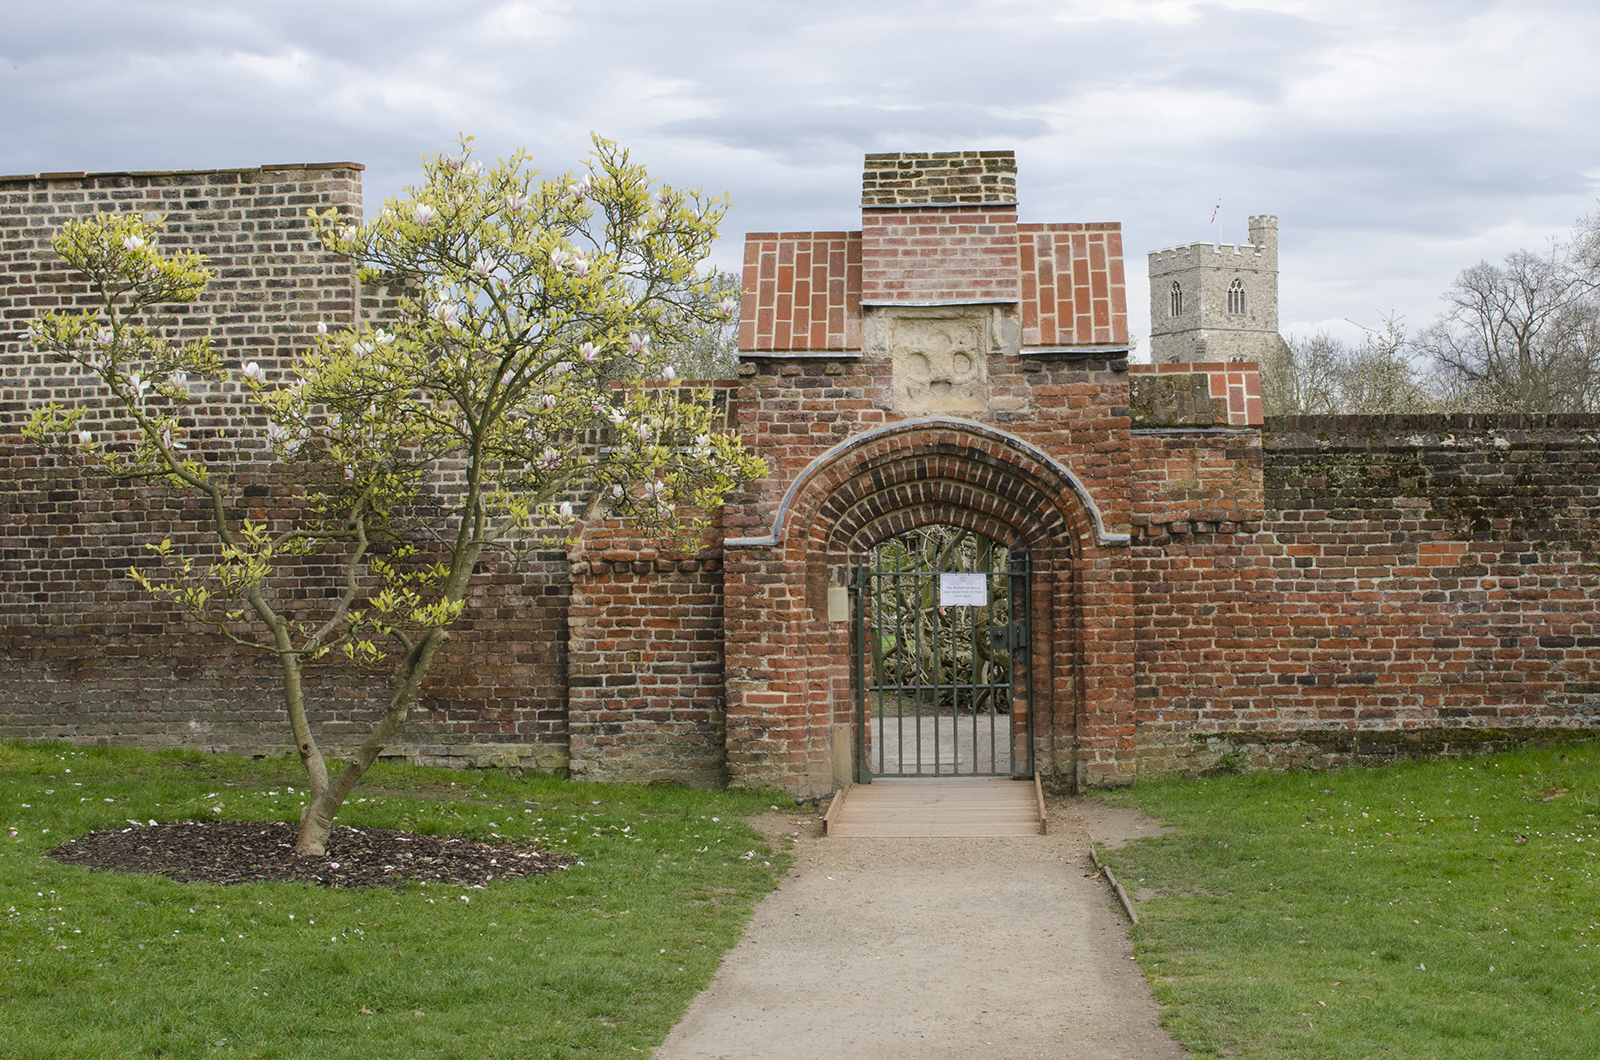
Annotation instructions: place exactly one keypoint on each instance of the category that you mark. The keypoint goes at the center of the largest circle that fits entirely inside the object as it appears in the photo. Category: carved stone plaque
(941, 363)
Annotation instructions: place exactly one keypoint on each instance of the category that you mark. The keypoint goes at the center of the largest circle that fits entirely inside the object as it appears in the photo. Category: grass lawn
(1440, 909)
(598, 960)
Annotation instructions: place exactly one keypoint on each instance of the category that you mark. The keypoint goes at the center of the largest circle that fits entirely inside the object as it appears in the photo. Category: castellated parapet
(1216, 301)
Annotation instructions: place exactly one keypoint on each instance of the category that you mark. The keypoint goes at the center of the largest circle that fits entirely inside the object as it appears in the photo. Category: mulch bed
(229, 852)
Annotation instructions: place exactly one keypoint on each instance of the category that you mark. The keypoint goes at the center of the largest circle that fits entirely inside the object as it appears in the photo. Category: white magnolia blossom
(424, 214)
(565, 510)
(483, 265)
(547, 401)
(583, 187)
(669, 374)
(561, 368)
(615, 416)
(550, 458)
(728, 305)
(134, 242)
(84, 437)
(616, 491)
(178, 378)
(579, 266)
(589, 353)
(516, 203)
(664, 198)
(447, 312)
(559, 257)
(638, 342)
(255, 373)
(638, 234)
(322, 328)
(104, 336)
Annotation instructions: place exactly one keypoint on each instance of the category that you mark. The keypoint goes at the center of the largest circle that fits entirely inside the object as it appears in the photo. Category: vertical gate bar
(858, 611)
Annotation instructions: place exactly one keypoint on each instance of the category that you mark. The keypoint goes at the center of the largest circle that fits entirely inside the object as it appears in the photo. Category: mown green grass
(598, 960)
(1441, 909)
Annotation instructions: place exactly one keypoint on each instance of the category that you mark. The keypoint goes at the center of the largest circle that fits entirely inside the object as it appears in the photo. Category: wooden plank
(1038, 794)
(937, 807)
(833, 809)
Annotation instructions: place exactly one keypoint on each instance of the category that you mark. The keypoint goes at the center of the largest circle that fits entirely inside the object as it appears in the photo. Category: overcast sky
(1397, 140)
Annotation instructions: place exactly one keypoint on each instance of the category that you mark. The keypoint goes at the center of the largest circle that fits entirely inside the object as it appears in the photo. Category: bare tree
(1297, 379)
(1521, 337)
(1321, 376)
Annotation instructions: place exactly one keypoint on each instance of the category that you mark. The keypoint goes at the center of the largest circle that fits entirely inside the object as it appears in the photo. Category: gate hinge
(1013, 637)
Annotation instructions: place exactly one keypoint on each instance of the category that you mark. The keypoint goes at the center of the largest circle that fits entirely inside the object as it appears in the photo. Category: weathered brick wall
(646, 662)
(86, 655)
(1411, 584)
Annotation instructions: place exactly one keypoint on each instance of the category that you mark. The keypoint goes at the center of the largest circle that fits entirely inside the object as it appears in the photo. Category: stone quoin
(1206, 588)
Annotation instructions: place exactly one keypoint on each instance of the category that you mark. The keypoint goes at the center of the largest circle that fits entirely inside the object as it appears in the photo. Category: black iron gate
(942, 677)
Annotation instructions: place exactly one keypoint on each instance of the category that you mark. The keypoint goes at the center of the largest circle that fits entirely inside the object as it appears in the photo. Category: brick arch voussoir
(940, 468)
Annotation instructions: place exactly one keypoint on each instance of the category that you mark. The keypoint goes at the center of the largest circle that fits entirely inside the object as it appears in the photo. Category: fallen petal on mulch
(228, 852)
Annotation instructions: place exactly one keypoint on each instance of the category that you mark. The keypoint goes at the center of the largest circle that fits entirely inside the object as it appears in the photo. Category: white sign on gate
(963, 590)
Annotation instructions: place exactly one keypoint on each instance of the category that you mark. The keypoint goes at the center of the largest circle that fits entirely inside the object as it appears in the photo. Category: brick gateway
(1206, 587)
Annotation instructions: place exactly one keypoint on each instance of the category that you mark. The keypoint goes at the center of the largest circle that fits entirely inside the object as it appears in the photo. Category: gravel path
(934, 949)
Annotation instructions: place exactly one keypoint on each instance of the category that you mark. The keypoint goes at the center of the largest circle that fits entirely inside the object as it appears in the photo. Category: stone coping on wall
(154, 173)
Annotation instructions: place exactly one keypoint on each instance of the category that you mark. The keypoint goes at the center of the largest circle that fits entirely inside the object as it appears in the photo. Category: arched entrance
(792, 637)
(941, 654)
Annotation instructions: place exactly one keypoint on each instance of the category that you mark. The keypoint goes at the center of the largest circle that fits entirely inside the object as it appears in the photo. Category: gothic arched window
(1177, 299)
(1236, 296)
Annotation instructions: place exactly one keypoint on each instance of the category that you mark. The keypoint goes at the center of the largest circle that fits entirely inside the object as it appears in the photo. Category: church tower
(1216, 301)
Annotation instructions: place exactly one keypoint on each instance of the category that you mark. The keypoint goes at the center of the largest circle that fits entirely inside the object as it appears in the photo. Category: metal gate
(943, 684)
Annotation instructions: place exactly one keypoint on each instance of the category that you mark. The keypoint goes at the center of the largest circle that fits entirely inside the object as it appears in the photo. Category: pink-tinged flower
(382, 337)
(638, 234)
(616, 491)
(550, 458)
(728, 305)
(559, 257)
(547, 401)
(583, 187)
(424, 214)
(579, 266)
(84, 437)
(703, 441)
(565, 511)
(104, 336)
(483, 264)
(664, 197)
(588, 352)
(638, 342)
(516, 203)
(447, 313)
(615, 416)
(669, 374)
(561, 368)
(134, 242)
(178, 378)
(322, 328)
(255, 373)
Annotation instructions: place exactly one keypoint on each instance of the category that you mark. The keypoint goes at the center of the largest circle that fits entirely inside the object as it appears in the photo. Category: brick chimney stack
(942, 178)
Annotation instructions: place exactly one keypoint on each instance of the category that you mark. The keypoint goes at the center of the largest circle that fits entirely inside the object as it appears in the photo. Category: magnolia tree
(524, 369)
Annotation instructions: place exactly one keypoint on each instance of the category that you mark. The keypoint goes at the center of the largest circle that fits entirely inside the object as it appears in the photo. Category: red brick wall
(912, 254)
(1408, 584)
(86, 655)
(1072, 286)
(802, 291)
(645, 686)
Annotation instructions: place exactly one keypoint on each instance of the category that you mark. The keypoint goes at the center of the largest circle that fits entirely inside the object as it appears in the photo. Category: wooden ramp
(984, 806)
